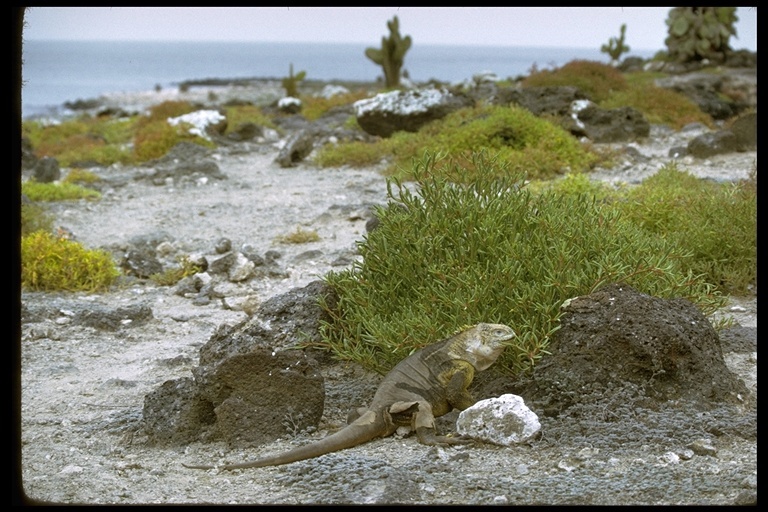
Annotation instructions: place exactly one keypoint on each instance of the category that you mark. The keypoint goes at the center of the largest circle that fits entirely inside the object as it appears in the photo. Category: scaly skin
(427, 384)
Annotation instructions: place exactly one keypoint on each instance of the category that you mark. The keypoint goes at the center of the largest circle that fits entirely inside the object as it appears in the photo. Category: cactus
(698, 33)
(390, 56)
(616, 46)
(291, 82)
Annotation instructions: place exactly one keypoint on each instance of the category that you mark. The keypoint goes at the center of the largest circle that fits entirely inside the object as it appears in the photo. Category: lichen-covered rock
(389, 112)
(505, 421)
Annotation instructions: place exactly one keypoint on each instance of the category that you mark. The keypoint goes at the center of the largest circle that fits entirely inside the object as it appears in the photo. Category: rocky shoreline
(89, 362)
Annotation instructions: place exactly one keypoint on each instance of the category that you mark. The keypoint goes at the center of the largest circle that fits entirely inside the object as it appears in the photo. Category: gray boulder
(713, 143)
(47, 170)
(612, 125)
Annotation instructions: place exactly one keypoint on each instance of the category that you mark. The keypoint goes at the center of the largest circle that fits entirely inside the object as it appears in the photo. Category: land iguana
(429, 383)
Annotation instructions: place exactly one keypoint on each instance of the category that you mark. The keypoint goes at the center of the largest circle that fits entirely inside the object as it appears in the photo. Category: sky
(584, 27)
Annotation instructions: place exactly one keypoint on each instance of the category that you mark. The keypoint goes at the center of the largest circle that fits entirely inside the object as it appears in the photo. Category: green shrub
(56, 191)
(715, 222)
(51, 263)
(85, 139)
(451, 255)
(595, 79)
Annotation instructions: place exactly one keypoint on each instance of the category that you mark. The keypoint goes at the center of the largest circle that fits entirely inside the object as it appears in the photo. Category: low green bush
(52, 263)
(63, 191)
(715, 222)
(485, 249)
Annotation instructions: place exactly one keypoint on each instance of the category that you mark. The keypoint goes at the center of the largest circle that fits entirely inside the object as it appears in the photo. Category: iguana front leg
(457, 397)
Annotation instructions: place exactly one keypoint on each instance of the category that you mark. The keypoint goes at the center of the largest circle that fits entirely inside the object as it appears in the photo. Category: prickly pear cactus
(390, 56)
(698, 33)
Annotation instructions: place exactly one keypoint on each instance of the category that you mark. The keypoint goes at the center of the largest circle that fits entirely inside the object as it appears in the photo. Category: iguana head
(482, 344)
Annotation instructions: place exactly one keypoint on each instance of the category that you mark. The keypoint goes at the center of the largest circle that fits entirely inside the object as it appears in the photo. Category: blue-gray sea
(54, 72)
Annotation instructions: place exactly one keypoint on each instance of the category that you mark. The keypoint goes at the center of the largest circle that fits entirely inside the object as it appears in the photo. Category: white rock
(199, 120)
(331, 90)
(505, 421)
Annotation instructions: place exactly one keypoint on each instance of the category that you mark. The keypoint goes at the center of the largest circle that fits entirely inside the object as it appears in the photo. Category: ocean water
(54, 72)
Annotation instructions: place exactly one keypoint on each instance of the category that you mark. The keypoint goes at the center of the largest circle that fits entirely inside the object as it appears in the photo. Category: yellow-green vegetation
(35, 217)
(155, 137)
(171, 276)
(63, 191)
(85, 139)
(77, 175)
(715, 222)
(52, 263)
(315, 106)
(659, 105)
(353, 153)
(299, 236)
(595, 79)
(510, 134)
(240, 114)
(490, 251)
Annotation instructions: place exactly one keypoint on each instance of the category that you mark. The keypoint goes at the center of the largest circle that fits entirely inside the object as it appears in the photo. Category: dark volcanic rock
(619, 341)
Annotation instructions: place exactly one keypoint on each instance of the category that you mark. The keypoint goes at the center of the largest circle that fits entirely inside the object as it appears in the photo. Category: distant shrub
(659, 105)
(450, 255)
(241, 114)
(595, 79)
(510, 134)
(81, 176)
(154, 139)
(299, 236)
(513, 135)
(162, 111)
(51, 263)
(85, 139)
(56, 191)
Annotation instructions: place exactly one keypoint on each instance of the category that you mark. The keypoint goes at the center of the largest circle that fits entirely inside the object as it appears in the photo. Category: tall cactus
(390, 56)
(291, 82)
(616, 46)
(697, 33)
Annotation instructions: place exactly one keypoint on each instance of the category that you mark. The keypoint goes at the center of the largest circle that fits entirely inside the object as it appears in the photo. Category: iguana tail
(368, 426)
